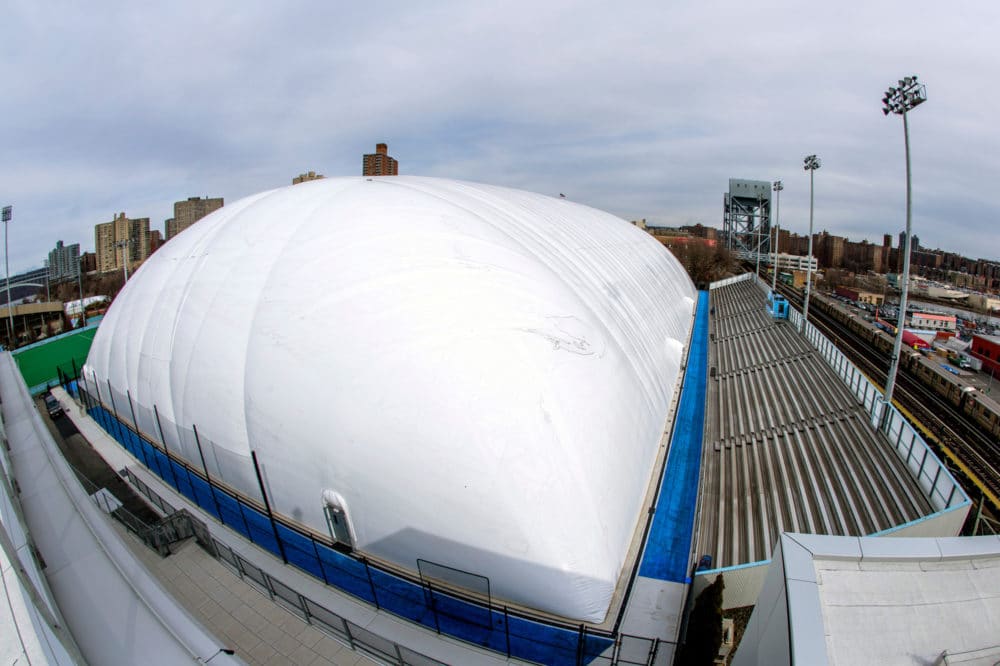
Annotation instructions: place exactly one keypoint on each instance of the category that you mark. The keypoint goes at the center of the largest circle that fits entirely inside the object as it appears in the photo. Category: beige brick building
(107, 235)
(306, 177)
(188, 212)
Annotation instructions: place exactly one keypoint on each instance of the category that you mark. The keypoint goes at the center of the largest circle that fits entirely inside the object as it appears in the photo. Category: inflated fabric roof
(478, 376)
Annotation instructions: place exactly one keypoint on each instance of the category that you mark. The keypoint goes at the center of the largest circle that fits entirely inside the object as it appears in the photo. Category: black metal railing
(441, 608)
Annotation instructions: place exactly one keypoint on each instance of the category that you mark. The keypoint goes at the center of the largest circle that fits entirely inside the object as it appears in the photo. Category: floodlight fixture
(904, 97)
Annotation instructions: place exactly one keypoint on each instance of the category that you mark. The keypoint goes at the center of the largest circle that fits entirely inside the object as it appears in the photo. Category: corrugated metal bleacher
(786, 446)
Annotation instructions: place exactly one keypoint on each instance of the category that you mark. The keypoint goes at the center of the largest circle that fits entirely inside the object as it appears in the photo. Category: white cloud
(644, 109)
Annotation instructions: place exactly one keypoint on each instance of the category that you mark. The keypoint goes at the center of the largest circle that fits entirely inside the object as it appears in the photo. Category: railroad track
(946, 428)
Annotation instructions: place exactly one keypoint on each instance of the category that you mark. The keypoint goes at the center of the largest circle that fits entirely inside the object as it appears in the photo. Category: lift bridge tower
(746, 222)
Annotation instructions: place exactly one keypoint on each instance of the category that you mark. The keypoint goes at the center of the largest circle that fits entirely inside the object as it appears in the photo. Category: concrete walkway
(261, 631)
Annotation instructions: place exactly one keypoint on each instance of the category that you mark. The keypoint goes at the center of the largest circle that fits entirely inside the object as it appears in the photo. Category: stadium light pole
(760, 223)
(810, 164)
(8, 213)
(777, 226)
(123, 244)
(79, 282)
(900, 99)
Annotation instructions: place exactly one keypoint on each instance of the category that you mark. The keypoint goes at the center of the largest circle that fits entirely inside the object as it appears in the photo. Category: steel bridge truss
(746, 222)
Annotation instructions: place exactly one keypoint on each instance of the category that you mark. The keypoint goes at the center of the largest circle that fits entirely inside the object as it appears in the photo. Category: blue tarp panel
(470, 622)
(229, 510)
(669, 543)
(300, 551)
(544, 644)
(527, 639)
(402, 597)
(183, 480)
(345, 573)
(261, 532)
(203, 495)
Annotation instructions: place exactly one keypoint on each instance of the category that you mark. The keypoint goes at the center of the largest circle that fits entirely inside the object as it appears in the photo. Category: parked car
(51, 404)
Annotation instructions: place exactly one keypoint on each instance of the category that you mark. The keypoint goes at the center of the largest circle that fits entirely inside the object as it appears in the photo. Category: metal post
(979, 514)
(79, 282)
(114, 408)
(84, 391)
(371, 583)
(506, 628)
(777, 227)
(163, 441)
(131, 408)
(760, 223)
(899, 100)
(904, 277)
(267, 505)
(811, 164)
(123, 244)
(7, 215)
(430, 590)
(159, 428)
(97, 388)
(319, 560)
(211, 488)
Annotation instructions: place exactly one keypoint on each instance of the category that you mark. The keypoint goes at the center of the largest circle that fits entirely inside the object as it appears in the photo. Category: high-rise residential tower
(379, 163)
(107, 235)
(188, 212)
(64, 262)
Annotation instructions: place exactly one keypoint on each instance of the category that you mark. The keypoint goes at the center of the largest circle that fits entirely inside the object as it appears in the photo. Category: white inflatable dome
(479, 376)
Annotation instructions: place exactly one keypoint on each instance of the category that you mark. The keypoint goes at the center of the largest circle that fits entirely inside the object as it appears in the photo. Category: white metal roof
(482, 374)
(878, 600)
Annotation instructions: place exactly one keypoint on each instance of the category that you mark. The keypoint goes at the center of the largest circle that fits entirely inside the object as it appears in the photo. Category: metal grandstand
(788, 445)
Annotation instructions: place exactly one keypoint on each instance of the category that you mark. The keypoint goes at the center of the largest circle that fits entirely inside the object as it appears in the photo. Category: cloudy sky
(644, 109)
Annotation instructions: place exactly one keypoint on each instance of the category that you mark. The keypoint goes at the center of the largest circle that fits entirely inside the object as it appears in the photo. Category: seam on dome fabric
(471, 191)
(144, 331)
(468, 191)
(623, 340)
(278, 253)
(177, 388)
(223, 227)
(203, 242)
(476, 193)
